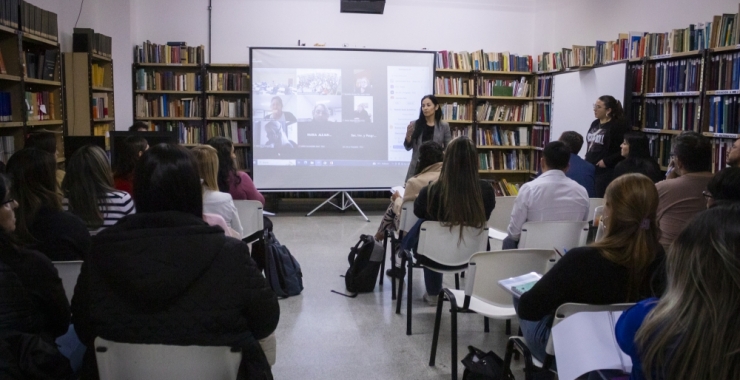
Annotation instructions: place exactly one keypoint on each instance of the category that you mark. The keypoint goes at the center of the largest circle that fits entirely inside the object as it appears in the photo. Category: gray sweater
(442, 135)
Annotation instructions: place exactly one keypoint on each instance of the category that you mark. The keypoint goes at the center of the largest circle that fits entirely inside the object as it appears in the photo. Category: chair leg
(486, 327)
(435, 336)
(453, 342)
(508, 327)
(409, 287)
(400, 290)
(457, 281)
(382, 263)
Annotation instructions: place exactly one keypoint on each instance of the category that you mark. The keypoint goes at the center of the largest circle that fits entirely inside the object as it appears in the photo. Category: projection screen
(334, 118)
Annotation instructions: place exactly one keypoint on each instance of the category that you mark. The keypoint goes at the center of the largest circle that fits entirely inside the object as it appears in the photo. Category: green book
(503, 91)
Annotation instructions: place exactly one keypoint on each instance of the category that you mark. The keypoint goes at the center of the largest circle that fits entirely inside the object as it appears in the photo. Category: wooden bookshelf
(88, 86)
(227, 99)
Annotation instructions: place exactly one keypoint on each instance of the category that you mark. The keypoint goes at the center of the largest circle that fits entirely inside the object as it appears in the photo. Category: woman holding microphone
(604, 139)
(429, 126)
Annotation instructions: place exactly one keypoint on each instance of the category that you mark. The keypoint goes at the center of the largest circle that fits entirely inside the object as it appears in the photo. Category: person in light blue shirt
(580, 170)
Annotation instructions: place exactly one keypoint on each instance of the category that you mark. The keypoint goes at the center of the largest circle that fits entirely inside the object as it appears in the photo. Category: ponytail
(615, 105)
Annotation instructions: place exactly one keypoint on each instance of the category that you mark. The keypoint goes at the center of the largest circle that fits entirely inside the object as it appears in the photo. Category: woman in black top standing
(429, 126)
(604, 139)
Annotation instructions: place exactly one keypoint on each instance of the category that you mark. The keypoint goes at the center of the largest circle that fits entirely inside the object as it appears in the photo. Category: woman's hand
(409, 131)
(395, 196)
(601, 164)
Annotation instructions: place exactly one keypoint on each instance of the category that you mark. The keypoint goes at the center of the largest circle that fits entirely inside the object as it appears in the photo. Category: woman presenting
(429, 126)
(604, 139)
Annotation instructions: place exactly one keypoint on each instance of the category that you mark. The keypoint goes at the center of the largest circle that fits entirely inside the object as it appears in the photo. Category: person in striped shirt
(89, 192)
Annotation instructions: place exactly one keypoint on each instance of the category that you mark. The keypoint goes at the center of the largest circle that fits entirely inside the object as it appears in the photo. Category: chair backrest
(501, 215)
(407, 219)
(593, 203)
(127, 361)
(486, 269)
(545, 235)
(250, 215)
(444, 246)
(68, 272)
(567, 309)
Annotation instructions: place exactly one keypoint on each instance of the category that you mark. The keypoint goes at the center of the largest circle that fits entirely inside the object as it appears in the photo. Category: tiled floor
(322, 335)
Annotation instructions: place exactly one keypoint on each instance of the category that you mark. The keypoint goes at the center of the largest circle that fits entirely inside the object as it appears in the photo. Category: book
(3, 69)
(50, 65)
(520, 284)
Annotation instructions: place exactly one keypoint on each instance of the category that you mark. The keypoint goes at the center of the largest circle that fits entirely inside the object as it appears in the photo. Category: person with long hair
(637, 157)
(723, 188)
(125, 161)
(215, 201)
(689, 333)
(42, 224)
(429, 126)
(232, 181)
(164, 276)
(89, 193)
(431, 155)
(32, 298)
(625, 266)
(604, 138)
(46, 141)
(459, 198)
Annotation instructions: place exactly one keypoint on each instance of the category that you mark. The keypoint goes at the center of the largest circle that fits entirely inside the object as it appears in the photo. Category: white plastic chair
(501, 215)
(443, 246)
(546, 235)
(406, 220)
(69, 271)
(127, 361)
(593, 203)
(250, 215)
(483, 294)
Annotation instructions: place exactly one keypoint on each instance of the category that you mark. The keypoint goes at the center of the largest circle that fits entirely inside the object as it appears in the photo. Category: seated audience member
(724, 187)
(733, 156)
(550, 197)
(214, 201)
(636, 151)
(33, 302)
(42, 224)
(625, 266)
(163, 276)
(89, 193)
(458, 198)
(139, 126)
(579, 169)
(688, 333)
(123, 166)
(681, 198)
(46, 141)
(236, 183)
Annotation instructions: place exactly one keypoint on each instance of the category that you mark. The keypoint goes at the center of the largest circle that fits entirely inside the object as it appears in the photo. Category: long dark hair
(8, 242)
(430, 152)
(86, 184)
(33, 172)
(457, 196)
(421, 122)
(166, 179)
(725, 186)
(639, 145)
(128, 155)
(226, 165)
(615, 105)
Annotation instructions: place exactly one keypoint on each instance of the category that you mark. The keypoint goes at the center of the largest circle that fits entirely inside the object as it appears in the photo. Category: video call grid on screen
(334, 118)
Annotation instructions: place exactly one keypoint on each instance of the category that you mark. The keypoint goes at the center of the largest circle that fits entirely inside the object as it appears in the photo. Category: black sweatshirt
(604, 141)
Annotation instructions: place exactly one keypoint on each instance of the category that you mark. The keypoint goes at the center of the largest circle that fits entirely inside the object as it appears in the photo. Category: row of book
(504, 160)
(724, 114)
(102, 129)
(660, 148)
(674, 76)
(480, 60)
(503, 87)
(635, 112)
(226, 108)
(170, 53)
(98, 75)
(228, 129)
(455, 111)
(460, 132)
(635, 75)
(542, 112)
(495, 136)
(100, 104)
(582, 56)
(504, 112)
(102, 45)
(41, 105)
(453, 86)
(7, 147)
(676, 114)
(724, 73)
(242, 159)
(6, 108)
(544, 86)
(504, 188)
(9, 13)
(228, 82)
(38, 22)
(152, 80)
(720, 149)
(42, 65)
(164, 106)
(540, 136)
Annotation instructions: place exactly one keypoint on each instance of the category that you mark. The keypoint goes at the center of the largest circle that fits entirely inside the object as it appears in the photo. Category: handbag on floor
(364, 265)
(484, 366)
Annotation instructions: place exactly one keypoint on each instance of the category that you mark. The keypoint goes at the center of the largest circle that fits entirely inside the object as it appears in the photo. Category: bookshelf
(489, 98)
(227, 92)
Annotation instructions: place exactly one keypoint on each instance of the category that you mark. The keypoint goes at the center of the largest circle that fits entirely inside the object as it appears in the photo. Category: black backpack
(364, 264)
(282, 271)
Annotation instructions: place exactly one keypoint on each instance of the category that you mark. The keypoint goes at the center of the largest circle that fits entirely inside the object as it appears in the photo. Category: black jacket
(60, 235)
(646, 166)
(169, 278)
(604, 141)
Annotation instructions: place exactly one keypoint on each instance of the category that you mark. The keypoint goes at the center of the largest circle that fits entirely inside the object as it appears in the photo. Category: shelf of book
(169, 65)
(30, 38)
(513, 73)
(458, 121)
(98, 57)
(11, 124)
(227, 92)
(722, 135)
(43, 82)
(662, 131)
(453, 71)
(102, 89)
(40, 123)
(487, 122)
(11, 78)
(543, 98)
(506, 172)
(508, 147)
(516, 98)
(168, 118)
(160, 92)
(693, 53)
(672, 94)
(541, 123)
(214, 118)
(445, 96)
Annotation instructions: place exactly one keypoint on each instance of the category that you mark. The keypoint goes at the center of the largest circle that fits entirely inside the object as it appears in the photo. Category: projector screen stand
(346, 204)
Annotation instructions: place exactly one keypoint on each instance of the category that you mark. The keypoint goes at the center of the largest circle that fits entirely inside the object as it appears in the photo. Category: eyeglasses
(707, 194)
(9, 201)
